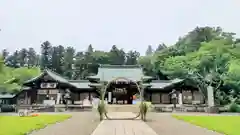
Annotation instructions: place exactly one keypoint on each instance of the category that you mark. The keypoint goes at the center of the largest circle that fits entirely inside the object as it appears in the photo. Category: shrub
(101, 109)
(144, 108)
(234, 108)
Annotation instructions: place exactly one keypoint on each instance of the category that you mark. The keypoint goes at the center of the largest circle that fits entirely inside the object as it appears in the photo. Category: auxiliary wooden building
(122, 80)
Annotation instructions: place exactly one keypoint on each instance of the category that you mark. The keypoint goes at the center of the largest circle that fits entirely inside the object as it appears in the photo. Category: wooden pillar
(150, 96)
(160, 98)
(192, 95)
(26, 98)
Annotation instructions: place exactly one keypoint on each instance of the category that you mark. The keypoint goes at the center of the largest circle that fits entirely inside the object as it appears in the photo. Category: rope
(131, 118)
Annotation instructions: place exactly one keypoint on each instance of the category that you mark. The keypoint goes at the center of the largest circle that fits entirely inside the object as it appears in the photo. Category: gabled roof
(110, 72)
(161, 84)
(51, 74)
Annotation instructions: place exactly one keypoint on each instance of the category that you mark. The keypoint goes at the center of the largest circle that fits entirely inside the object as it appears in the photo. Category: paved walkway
(86, 123)
(161, 124)
(123, 127)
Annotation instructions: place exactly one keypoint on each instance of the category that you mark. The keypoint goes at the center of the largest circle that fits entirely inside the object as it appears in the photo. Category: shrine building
(122, 80)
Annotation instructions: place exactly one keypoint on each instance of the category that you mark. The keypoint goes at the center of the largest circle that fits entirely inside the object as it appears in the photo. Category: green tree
(79, 66)
(32, 59)
(68, 62)
(90, 49)
(5, 54)
(132, 57)
(23, 57)
(58, 59)
(117, 56)
(13, 60)
(149, 50)
(161, 47)
(46, 54)
(146, 63)
(1, 64)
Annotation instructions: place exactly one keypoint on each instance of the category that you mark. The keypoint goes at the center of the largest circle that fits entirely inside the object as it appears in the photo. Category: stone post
(180, 102)
(109, 97)
(211, 106)
(210, 96)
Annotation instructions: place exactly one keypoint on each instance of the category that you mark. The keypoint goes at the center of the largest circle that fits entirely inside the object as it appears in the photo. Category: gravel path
(81, 123)
(165, 124)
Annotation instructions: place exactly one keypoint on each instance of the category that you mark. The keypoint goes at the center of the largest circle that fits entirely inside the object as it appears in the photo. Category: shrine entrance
(122, 91)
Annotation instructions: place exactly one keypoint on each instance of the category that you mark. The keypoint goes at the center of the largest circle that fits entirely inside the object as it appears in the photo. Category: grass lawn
(15, 125)
(223, 124)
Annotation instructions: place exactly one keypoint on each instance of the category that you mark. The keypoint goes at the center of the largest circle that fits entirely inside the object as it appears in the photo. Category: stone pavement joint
(123, 127)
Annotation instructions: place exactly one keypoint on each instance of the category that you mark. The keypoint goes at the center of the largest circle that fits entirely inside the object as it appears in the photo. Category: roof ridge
(172, 80)
(78, 80)
(49, 70)
(158, 81)
(119, 66)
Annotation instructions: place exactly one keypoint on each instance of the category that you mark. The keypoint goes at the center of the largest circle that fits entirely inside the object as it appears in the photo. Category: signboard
(120, 91)
(48, 85)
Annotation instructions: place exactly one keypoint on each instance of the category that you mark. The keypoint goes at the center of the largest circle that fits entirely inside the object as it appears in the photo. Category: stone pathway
(161, 124)
(123, 127)
(86, 123)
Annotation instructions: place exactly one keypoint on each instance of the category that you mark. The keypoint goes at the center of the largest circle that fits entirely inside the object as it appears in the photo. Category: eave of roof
(2, 96)
(80, 84)
(53, 75)
(162, 84)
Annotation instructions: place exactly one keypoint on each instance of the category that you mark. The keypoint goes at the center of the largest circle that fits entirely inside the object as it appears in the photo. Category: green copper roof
(84, 84)
(81, 84)
(51, 74)
(110, 72)
(161, 84)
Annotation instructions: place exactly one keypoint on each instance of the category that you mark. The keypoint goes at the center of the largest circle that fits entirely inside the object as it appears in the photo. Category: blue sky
(129, 24)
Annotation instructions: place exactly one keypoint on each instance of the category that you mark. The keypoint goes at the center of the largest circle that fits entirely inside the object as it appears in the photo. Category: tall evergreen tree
(13, 60)
(58, 59)
(46, 55)
(161, 47)
(23, 57)
(32, 59)
(68, 62)
(89, 61)
(131, 58)
(90, 49)
(5, 54)
(79, 66)
(117, 56)
(149, 50)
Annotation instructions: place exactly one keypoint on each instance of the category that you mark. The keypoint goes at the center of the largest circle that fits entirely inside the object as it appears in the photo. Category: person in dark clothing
(174, 97)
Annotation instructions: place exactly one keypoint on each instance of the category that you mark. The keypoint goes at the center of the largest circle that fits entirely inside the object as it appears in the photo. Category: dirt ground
(165, 124)
(81, 123)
